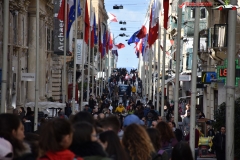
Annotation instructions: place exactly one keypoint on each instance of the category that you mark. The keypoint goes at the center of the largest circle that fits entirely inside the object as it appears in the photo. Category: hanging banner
(58, 35)
(79, 54)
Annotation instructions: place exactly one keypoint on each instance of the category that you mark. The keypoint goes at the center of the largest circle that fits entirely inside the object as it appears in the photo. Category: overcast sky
(133, 13)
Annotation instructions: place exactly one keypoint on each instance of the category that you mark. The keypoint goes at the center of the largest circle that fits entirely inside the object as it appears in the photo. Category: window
(15, 28)
(202, 13)
(193, 10)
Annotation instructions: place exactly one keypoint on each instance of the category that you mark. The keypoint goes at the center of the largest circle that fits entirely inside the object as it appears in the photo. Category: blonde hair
(137, 142)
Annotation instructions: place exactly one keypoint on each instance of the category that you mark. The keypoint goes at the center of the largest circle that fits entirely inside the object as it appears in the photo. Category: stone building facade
(22, 50)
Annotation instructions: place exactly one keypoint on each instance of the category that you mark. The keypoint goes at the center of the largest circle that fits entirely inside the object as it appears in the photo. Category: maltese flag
(112, 17)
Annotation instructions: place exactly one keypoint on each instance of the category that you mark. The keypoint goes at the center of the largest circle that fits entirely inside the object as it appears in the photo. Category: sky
(133, 13)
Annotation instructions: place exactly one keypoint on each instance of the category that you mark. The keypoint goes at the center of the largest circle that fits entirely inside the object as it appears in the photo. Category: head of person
(95, 109)
(11, 124)
(111, 123)
(159, 119)
(137, 142)
(111, 143)
(29, 109)
(182, 151)
(152, 107)
(101, 116)
(84, 132)
(223, 130)
(132, 119)
(6, 149)
(86, 106)
(170, 124)
(83, 117)
(166, 133)
(155, 138)
(154, 124)
(120, 105)
(56, 135)
(21, 109)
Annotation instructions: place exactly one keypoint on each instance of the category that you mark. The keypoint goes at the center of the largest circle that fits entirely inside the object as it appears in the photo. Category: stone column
(31, 56)
(42, 58)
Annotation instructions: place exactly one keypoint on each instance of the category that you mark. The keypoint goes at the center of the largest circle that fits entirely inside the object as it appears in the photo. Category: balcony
(213, 42)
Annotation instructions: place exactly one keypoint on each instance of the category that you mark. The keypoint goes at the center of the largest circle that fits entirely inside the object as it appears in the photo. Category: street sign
(28, 77)
(208, 77)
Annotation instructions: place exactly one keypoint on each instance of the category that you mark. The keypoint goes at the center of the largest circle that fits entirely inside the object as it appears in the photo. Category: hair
(137, 142)
(83, 117)
(154, 135)
(174, 124)
(114, 147)
(23, 110)
(33, 140)
(182, 151)
(82, 132)
(165, 131)
(9, 122)
(52, 134)
(113, 122)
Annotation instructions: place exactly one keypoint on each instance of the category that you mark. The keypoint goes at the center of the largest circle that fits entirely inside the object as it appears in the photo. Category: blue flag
(94, 30)
(133, 38)
(72, 15)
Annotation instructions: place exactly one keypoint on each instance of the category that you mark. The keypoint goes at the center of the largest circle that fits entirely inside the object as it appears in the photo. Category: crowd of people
(109, 128)
(82, 137)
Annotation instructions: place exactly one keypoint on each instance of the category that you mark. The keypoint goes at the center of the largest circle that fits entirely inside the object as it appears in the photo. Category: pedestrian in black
(219, 141)
(91, 102)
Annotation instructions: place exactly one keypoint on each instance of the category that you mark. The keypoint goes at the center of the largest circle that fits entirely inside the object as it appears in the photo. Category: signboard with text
(222, 72)
(208, 77)
(28, 77)
(184, 77)
(58, 35)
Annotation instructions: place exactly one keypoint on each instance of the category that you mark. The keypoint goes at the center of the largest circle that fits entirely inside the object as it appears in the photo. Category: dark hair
(9, 122)
(174, 124)
(23, 110)
(165, 131)
(82, 132)
(52, 134)
(83, 117)
(114, 147)
(33, 140)
(154, 135)
(113, 122)
(182, 151)
(152, 106)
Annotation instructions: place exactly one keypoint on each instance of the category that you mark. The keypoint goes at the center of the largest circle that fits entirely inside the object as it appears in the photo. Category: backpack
(168, 148)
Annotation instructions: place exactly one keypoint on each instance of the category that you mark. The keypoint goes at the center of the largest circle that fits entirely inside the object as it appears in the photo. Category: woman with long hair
(154, 135)
(167, 137)
(138, 144)
(55, 139)
(85, 142)
(12, 130)
(112, 145)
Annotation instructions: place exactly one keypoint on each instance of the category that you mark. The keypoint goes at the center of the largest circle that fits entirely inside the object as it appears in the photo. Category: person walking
(219, 141)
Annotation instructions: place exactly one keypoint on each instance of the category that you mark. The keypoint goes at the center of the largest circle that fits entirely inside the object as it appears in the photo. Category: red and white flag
(112, 17)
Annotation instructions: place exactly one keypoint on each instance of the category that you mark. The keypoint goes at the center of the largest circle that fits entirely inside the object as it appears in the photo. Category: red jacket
(61, 155)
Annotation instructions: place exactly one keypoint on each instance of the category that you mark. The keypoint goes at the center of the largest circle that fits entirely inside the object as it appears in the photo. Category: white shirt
(110, 108)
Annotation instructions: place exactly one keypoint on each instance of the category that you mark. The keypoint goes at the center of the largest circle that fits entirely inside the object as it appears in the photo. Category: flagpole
(154, 71)
(150, 76)
(74, 64)
(89, 54)
(64, 56)
(163, 73)
(37, 68)
(93, 60)
(176, 95)
(5, 56)
(83, 58)
(158, 64)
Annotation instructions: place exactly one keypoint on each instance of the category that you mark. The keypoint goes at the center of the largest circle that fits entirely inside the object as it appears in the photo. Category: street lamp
(118, 7)
(122, 22)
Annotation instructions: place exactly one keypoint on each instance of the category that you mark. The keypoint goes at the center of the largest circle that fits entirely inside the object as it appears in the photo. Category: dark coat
(219, 141)
(89, 150)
